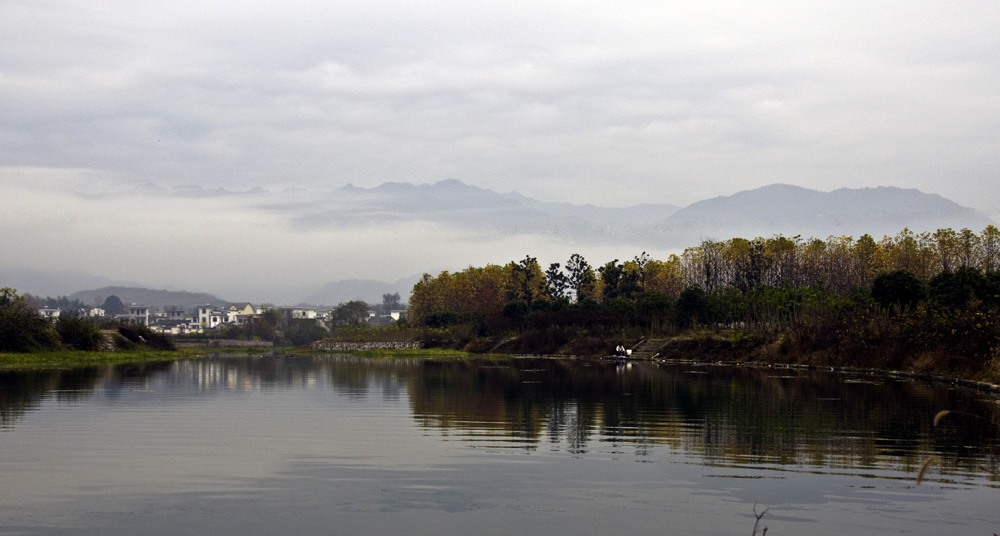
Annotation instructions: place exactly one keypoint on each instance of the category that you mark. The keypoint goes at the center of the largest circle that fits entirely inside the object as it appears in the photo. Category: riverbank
(718, 349)
(364, 346)
(417, 354)
(67, 359)
(222, 343)
(801, 346)
(73, 359)
(693, 347)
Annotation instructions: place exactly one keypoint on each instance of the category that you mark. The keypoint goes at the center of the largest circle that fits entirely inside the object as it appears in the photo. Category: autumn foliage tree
(812, 290)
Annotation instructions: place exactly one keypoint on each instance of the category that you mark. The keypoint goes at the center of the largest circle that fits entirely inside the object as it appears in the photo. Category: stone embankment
(224, 343)
(337, 346)
(648, 348)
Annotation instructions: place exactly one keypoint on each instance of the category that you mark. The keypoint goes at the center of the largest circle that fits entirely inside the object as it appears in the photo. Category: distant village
(175, 320)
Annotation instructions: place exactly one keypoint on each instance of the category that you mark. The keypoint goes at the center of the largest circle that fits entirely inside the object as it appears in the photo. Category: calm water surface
(343, 445)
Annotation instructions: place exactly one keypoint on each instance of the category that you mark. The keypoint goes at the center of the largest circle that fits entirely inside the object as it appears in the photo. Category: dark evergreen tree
(958, 288)
(352, 313)
(557, 281)
(390, 302)
(113, 306)
(900, 288)
(692, 306)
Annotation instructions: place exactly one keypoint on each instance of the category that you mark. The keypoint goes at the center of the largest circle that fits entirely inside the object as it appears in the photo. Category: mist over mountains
(297, 246)
(775, 209)
(146, 296)
(766, 211)
(455, 203)
(792, 210)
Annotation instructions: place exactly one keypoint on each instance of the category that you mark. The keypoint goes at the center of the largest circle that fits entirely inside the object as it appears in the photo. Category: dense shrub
(254, 329)
(79, 333)
(22, 329)
(441, 319)
(122, 343)
(302, 331)
(141, 335)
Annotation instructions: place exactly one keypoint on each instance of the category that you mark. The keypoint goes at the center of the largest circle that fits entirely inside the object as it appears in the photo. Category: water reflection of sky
(348, 446)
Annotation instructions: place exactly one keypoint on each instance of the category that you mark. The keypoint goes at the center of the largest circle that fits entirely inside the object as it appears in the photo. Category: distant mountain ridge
(53, 283)
(766, 211)
(149, 297)
(452, 202)
(488, 215)
(793, 210)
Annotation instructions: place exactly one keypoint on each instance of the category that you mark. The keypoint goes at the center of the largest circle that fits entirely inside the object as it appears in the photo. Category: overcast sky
(610, 103)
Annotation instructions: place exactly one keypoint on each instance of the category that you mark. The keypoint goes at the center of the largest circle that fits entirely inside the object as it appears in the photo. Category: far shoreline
(71, 359)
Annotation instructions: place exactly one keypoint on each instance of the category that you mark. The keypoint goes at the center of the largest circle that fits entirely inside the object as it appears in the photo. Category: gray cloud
(606, 103)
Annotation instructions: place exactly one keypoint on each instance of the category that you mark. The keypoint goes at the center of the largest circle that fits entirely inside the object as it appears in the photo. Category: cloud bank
(609, 103)
(589, 102)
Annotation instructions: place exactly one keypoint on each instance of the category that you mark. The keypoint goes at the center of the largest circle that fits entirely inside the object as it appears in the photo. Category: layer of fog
(239, 246)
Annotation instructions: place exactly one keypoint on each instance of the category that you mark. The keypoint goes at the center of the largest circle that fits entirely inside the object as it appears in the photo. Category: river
(281, 444)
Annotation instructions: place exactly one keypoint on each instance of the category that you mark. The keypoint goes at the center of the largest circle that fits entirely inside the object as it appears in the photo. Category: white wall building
(210, 317)
(50, 312)
(138, 314)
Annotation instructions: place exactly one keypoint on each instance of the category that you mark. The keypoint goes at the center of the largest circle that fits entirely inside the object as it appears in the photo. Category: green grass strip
(69, 359)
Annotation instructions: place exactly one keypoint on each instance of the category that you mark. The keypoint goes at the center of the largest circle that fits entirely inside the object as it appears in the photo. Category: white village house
(50, 312)
(136, 314)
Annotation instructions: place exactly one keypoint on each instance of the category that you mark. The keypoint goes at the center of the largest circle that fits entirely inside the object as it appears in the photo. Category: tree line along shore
(926, 303)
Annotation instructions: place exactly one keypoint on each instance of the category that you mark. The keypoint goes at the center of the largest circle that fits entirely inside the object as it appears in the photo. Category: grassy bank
(69, 359)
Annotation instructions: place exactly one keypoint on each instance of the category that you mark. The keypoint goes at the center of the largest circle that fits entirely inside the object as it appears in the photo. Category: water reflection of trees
(726, 415)
(23, 391)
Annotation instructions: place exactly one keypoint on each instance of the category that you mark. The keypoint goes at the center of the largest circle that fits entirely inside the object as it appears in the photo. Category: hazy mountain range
(766, 211)
(791, 210)
(471, 221)
(146, 296)
(453, 202)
